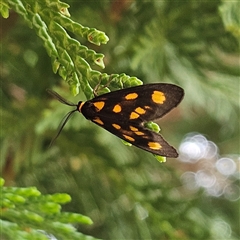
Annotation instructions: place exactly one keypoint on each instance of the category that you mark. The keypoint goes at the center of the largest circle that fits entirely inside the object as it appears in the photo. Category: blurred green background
(126, 191)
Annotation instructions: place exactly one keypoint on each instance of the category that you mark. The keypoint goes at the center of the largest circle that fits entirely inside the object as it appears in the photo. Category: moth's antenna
(66, 117)
(60, 98)
(61, 125)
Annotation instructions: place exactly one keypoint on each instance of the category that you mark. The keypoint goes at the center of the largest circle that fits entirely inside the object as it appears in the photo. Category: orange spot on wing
(98, 120)
(134, 115)
(99, 105)
(116, 126)
(129, 138)
(139, 133)
(154, 145)
(140, 110)
(131, 96)
(117, 108)
(158, 97)
(135, 130)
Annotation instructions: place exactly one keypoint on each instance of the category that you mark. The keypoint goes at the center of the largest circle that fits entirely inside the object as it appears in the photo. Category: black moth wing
(173, 95)
(166, 150)
(118, 112)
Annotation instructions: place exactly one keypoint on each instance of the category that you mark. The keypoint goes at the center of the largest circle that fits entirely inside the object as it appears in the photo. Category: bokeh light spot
(226, 166)
(205, 179)
(232, 192)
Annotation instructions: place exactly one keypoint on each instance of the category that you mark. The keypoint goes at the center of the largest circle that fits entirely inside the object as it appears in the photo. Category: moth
(125, 113)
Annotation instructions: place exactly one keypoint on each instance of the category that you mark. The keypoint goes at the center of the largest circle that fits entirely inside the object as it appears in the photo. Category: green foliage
(50, 20)
(178, 40)
(26, 214)
(230, 17)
